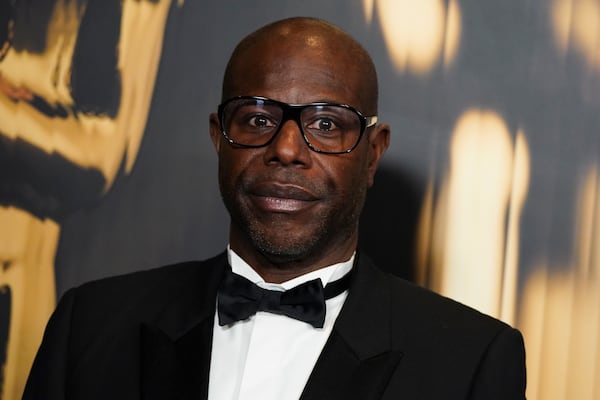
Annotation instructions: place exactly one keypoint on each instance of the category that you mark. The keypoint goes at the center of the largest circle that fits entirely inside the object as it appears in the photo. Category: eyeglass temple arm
(371, 121)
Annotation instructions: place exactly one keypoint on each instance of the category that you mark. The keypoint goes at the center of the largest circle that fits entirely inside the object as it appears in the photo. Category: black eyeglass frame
(293, 112)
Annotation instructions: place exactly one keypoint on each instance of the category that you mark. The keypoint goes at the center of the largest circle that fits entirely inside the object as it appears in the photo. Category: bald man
(291, 309)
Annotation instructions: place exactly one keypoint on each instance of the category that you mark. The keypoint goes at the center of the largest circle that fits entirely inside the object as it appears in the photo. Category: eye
(260, 121)
(323, 124)
(257, 121)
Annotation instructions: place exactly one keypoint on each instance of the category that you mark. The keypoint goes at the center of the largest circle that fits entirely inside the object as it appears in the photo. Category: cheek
(356, 169)
(231, 165)
(350, 178)
(237, 167)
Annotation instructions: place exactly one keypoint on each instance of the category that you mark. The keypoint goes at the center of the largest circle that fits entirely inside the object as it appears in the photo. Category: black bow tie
(239, 299)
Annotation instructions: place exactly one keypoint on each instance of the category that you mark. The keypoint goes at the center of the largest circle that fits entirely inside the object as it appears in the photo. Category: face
(286, 202)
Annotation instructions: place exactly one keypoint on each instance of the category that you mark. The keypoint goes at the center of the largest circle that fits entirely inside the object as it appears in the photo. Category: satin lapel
(359, 357)
(175, 349)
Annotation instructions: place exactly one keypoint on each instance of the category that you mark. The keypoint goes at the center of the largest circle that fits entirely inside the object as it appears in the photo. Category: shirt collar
(326, 274)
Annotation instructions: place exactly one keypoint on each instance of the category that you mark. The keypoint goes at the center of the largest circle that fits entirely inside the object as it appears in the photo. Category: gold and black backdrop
(489, 194)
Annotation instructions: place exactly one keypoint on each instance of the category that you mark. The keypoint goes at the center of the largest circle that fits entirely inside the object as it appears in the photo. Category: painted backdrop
(489, 194)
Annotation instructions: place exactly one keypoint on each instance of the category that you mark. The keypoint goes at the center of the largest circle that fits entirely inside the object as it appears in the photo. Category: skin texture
(293, 210)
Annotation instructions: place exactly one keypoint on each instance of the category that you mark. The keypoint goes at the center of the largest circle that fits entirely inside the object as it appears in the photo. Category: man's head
(294, 209)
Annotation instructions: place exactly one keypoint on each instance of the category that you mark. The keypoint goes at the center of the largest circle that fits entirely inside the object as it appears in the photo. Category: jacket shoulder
(466, 350)
(122, 302)
(426, 305)
(128, 286)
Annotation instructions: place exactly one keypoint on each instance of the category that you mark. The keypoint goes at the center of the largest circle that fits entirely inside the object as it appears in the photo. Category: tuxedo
(148, 335)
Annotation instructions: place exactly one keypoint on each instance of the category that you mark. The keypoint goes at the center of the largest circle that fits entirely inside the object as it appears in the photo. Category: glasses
(251, 121)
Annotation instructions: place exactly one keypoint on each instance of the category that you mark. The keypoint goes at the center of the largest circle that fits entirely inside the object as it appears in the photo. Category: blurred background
(489, 193)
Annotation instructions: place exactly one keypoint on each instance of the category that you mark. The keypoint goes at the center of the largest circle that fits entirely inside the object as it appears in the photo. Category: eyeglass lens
(328, 128)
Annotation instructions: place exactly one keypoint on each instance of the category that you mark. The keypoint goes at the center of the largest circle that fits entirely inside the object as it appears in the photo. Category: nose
(288, 146)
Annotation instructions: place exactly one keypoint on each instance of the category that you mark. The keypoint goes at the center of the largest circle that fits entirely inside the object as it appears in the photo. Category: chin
(284, 245)
(284, 250)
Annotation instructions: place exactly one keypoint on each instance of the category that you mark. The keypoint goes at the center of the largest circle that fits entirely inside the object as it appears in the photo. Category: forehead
(298, 69)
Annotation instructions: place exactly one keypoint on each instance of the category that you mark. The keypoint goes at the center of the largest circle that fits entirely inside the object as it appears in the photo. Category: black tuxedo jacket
(148, 335)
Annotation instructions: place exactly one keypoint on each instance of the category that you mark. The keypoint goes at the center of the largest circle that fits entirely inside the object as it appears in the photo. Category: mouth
(282, 197)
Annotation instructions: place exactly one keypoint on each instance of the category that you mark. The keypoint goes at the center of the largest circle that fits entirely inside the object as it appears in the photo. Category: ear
(379, 140)
(215, 130)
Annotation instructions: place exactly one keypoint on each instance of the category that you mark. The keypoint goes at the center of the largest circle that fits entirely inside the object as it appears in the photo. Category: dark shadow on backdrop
(389, 221)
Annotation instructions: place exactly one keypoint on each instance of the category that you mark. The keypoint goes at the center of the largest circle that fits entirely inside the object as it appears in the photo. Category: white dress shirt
(270, 356)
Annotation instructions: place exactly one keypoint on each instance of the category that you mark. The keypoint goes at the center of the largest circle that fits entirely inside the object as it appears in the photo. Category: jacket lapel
(175, 348)
(359, 357)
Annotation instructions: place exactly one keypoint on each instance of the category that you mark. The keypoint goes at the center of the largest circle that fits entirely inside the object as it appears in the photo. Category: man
(298, 144)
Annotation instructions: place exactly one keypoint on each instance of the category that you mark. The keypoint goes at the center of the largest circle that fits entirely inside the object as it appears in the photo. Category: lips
(281, 197)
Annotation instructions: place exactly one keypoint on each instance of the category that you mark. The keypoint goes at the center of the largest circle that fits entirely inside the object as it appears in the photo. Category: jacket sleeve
(501, 374)
(48, 376)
